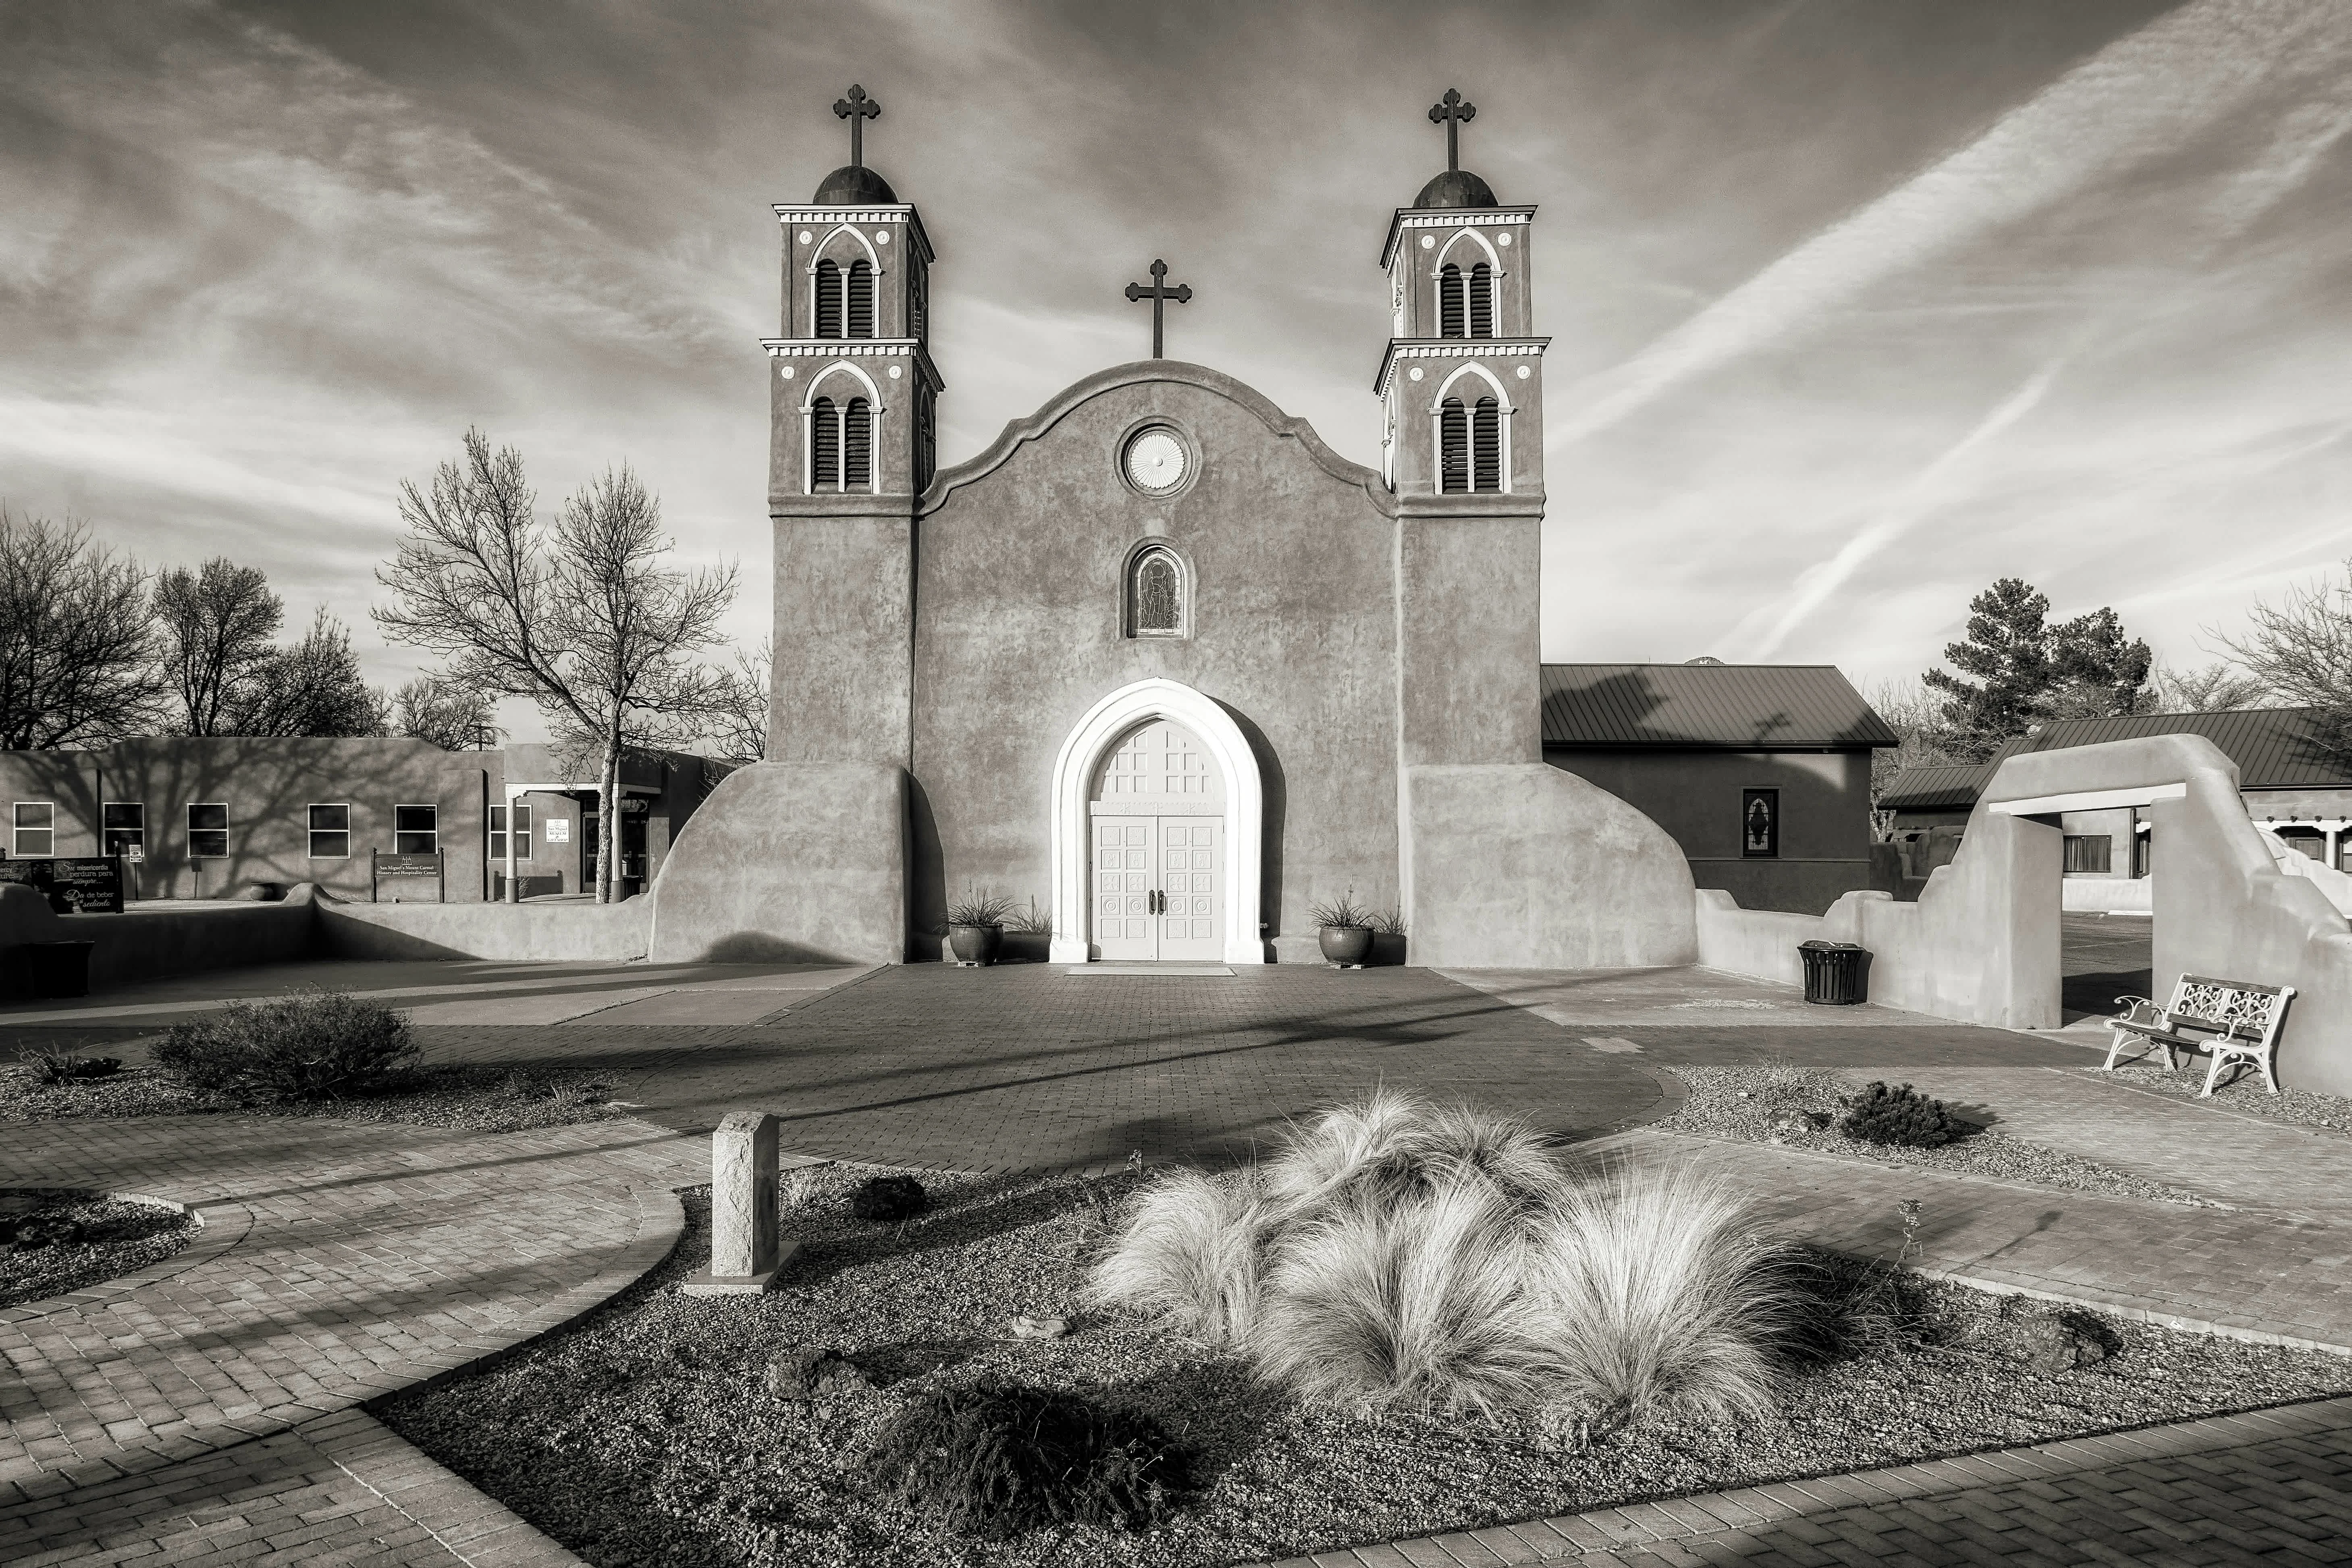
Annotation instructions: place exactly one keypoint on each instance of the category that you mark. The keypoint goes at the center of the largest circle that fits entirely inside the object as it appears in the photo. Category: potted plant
(1389, 939)
(976, 926)
(1347, 934)
(1028, 935)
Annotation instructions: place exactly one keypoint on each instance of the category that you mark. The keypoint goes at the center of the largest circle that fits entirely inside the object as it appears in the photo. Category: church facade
(1158, 660)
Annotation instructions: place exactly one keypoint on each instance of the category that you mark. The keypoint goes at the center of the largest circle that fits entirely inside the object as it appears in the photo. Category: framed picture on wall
(1760, 824)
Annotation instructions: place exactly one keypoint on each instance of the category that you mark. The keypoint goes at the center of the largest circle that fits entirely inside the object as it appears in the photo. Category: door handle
(1158, 902)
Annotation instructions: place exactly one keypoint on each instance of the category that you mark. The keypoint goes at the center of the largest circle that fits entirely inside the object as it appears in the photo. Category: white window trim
(17, 829)
(313, 833)
(227, 824)
(432, 806)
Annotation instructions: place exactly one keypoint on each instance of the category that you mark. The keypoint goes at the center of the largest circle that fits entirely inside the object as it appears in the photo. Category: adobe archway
(1074, 768)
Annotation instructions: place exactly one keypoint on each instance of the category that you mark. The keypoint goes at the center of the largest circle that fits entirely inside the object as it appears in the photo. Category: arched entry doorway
(1157, 813)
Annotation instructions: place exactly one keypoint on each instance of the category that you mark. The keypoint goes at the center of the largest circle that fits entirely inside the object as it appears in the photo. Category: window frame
(1770, 797)
(498, 832)
(311, 824)
(2105, 856)
(401, 835)
(1130, 600)
(18, 829)
(189, 819)
(108, 833)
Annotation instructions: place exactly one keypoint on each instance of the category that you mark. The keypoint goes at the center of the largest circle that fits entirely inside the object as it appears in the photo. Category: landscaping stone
(2051, 1343)
(812, 1373)
(746, 1245)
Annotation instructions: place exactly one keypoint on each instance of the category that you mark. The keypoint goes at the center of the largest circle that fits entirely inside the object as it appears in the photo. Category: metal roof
(1735, 707)
(1941, 787)
(2272, 746)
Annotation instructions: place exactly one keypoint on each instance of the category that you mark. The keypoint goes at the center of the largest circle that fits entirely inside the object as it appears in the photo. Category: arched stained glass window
(1155, 594)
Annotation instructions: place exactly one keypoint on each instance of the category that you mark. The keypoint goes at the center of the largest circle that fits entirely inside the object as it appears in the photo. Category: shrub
(302, 1046)
(1188, 1258)
(994, 1461)
(889, 1199)
(56, 1067)
(1390, 1253)
(1901, 1117)
(1405, 1301)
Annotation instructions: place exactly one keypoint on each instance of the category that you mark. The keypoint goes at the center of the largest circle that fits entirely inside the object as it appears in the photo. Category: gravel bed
(646, 1436)
(1765, 1105)
(472, 1096)
(117, 1238)
(2244, 1092)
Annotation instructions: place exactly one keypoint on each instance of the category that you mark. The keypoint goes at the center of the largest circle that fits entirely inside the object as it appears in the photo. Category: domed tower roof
(855, 185)
(1457, 188)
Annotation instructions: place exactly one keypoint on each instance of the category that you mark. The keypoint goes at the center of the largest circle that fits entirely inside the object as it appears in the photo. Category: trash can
(59, 968)
(1837, 973)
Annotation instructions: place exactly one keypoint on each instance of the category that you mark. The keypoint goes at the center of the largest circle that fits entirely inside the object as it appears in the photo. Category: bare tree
(2212, 688)
(312, 688)
(1915, 717)
(452, 715)
(740, 722)
(2301, 648)
(584, 620)
(216, 623)
(77, 644)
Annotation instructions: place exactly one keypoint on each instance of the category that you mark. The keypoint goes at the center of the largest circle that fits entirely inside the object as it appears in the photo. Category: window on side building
(416, 829)
(124, 823)
(208, 830)
(2089, 851)
(499, 833)
(1760, 824)
(330, 833)
(36, 830)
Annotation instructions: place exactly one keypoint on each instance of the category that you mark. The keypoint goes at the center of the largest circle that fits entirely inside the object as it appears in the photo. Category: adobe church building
(1158, 658)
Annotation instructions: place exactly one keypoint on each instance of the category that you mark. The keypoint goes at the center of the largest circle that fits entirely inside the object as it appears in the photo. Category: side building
(1761, 773)
(232, 818)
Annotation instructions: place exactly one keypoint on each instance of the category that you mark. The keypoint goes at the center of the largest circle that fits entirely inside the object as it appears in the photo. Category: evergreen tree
(2008, 651)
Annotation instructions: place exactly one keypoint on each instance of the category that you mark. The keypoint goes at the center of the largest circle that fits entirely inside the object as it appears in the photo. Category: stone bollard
(747, 1244)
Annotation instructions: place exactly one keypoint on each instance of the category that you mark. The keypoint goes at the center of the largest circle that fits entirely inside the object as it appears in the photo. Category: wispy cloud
(2150, 94)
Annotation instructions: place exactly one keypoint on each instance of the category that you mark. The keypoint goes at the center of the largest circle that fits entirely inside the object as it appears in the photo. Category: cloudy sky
(1855, 304)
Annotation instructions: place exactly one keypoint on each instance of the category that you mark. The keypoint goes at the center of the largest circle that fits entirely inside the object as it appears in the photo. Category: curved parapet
(789, 862)
(2223, 905)
(1524, 866)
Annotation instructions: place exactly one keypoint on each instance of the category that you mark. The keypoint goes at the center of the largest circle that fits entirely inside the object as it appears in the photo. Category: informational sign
(558, 829)
(407, 876)
(86, 885)
(74, 884)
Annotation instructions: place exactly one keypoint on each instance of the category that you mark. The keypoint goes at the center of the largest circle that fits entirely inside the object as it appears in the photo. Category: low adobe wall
(149, 942)
(1979, 944)
(1523, 866)
(508, 934)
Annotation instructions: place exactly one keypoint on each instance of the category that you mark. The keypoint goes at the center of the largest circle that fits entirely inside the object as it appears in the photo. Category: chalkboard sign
(86, 885)
(405, 871)
(74, 885)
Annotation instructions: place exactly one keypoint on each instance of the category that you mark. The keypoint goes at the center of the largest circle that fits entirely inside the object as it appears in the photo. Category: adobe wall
(155, 940)
(1694, 796)
(1019, 631)
(1521, 866)
(516, 934)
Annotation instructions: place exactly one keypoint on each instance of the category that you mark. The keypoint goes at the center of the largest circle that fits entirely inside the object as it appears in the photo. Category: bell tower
(853, 396)
(1461, 386)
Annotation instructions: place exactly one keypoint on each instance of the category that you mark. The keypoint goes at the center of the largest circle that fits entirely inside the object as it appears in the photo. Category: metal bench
(2234, 1020)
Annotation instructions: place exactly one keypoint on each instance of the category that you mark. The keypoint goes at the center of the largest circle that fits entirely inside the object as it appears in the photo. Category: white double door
(1159, 888)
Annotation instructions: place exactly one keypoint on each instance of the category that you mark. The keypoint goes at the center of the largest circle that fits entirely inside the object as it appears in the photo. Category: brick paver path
(207, 1409)
(339, 1262)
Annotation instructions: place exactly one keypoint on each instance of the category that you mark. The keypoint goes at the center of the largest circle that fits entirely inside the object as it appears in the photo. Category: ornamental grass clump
(310, 1045)
(993, 1461)
(1390, 1253)
(1901, 1117)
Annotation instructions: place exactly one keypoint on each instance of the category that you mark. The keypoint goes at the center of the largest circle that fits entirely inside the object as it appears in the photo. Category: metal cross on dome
(857, 108)
(1453, 113)
(1158, 294)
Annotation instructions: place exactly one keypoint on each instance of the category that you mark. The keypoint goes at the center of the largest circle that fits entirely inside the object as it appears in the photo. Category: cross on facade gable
(1158, 294)
(857, 108)
(1453, 113)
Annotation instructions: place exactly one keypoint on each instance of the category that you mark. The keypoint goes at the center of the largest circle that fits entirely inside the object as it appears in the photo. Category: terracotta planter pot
(975, 944)
(1346, 944)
